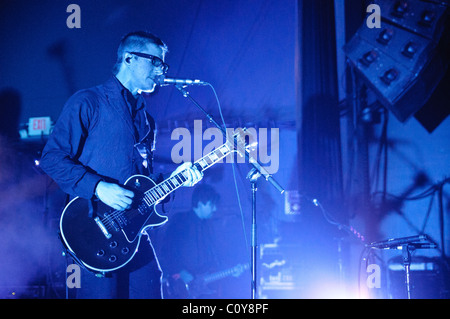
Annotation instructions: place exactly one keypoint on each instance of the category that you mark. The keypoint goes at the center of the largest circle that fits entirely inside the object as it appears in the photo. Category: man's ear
(127, 58)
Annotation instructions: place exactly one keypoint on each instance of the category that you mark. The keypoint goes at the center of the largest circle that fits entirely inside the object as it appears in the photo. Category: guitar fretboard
(225, 273)
(170, 184)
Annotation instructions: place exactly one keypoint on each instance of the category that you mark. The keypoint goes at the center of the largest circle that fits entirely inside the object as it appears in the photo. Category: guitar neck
(222, 274)
(170, 184)
(218, 275)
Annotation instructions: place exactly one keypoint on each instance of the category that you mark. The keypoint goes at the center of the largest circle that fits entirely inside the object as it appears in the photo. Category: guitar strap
(93, 206)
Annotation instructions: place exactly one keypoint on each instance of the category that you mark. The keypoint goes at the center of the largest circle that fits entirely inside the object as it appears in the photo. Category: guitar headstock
(237, 142)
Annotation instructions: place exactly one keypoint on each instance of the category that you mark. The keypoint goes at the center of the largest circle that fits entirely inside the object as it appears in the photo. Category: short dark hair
(204, 193)
(135, 41)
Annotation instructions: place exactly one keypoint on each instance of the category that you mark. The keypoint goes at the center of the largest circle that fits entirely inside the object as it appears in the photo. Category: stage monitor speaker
(404, 60)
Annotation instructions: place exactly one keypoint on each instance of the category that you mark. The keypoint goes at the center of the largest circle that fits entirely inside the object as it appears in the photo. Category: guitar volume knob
(113, 244)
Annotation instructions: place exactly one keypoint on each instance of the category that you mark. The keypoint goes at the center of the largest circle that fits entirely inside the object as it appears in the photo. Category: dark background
(275, 65)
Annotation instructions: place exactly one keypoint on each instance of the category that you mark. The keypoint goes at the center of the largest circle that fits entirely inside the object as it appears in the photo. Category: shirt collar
(140, 102)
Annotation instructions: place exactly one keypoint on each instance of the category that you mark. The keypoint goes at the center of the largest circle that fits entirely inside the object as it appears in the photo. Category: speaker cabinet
(405, 59)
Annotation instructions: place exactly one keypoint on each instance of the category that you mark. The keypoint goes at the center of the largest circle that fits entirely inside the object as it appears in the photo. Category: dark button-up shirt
(101, 134)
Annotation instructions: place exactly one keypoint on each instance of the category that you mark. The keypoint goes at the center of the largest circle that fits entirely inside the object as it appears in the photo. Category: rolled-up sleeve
(60, 155)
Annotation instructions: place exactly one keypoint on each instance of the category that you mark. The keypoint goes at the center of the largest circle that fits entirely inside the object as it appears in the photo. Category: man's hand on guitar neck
(192, 174)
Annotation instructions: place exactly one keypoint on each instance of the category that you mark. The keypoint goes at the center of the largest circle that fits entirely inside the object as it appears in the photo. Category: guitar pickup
(102, 228)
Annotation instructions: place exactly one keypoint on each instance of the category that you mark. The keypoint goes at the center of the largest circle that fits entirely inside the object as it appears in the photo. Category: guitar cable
(233, 168)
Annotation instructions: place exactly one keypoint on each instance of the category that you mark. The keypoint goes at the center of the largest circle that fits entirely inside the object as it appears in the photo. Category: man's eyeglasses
(157, 62)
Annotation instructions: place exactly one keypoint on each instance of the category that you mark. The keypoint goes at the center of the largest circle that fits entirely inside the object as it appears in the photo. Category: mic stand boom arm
(252, 161)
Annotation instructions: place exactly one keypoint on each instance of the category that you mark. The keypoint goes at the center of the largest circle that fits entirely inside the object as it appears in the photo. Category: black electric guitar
(103, 239)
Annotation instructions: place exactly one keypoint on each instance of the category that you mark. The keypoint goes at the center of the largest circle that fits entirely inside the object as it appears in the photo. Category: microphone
(393, 242)
(162, 80)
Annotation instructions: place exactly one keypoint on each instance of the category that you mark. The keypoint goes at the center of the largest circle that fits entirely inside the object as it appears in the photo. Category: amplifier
(429, 278)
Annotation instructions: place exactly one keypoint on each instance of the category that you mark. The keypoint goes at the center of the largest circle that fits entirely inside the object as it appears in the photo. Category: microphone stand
(253, 175)
(406, 256)
(406, 245)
